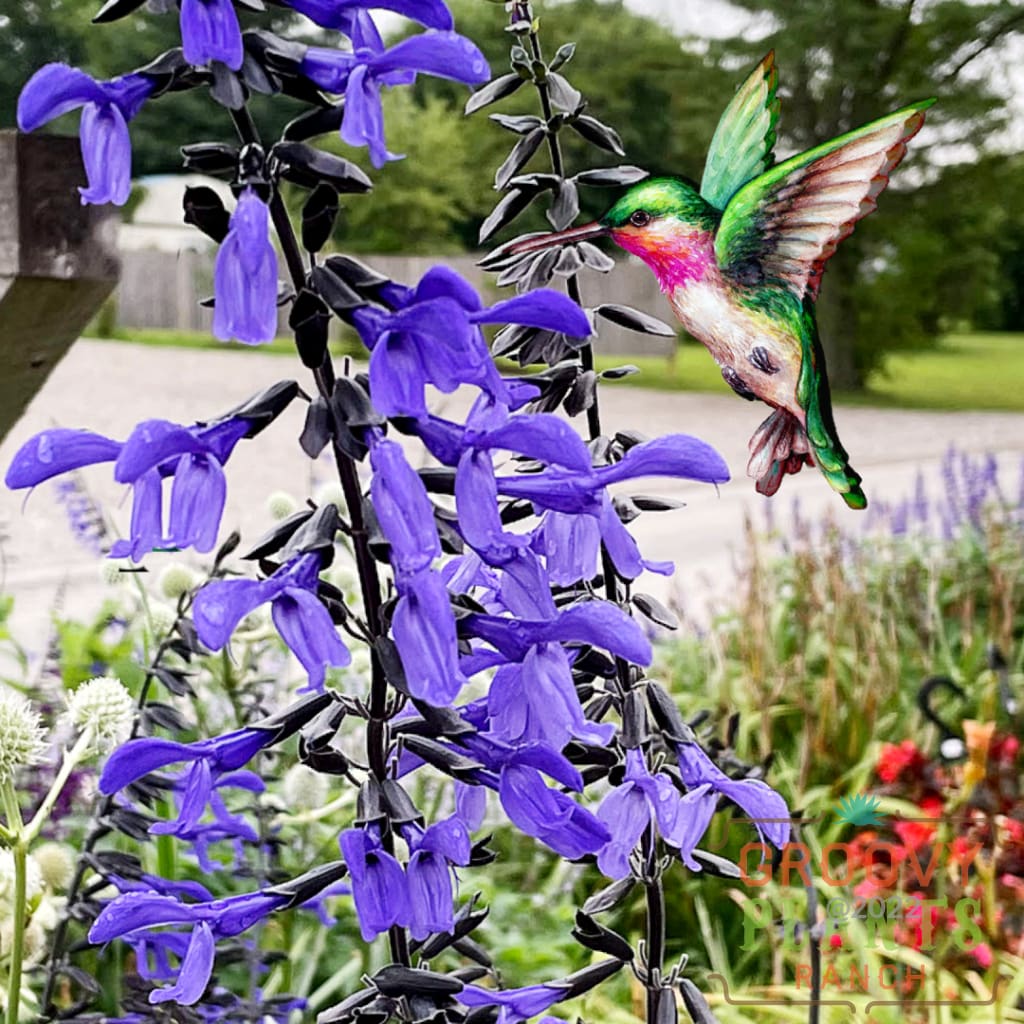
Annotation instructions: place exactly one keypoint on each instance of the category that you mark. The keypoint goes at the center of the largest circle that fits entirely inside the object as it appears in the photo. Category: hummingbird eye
(640, 218)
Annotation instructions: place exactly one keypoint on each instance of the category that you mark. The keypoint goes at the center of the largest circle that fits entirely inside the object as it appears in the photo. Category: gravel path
(108, 387)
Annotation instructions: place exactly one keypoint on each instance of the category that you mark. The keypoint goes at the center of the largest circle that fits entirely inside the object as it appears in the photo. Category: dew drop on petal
(44, 450)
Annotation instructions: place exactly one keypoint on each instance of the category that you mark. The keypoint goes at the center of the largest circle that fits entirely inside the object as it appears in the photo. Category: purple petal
(443, 54)
(544, 308)
(220, 438)
(198, 787)
(760, 802)
(430, 895)
(551, 763)
(53, 90)
(195, 972)
(476, 498)
(128, 92)
(626, 814)
(470, 804)
(107, 155)
(147, 524)
(305, 626)
(57, 451)
(139, 757)
(571, 545)
(403, 508)
(197, 502)
(543, 437)
(423, 627)
(443, 282)
(151, 443)
(603, 625)
(210, 31)
(222, 604)
(675, 455)
(620, 544)
(363, 122)
(396, 377)
(696, 809)
(328, 68)
(135, 910)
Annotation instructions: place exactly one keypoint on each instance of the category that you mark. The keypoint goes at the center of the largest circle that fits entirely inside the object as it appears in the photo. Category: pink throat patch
(676, 260)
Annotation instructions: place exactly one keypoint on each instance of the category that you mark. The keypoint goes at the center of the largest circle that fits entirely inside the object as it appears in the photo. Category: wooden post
(58, 262)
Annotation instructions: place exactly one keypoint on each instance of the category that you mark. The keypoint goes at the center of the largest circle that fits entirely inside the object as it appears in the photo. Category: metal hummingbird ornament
(741, 259)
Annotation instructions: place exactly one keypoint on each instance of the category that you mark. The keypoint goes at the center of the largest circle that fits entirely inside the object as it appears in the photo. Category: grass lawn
(965, 371)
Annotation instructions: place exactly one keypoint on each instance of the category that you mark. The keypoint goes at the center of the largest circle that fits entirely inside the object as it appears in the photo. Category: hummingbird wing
(782, 227)
(742, 145)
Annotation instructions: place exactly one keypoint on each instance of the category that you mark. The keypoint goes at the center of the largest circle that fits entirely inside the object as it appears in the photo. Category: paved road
(109, 387)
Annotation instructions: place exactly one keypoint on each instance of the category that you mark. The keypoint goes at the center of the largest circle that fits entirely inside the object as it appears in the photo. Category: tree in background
(929, 257)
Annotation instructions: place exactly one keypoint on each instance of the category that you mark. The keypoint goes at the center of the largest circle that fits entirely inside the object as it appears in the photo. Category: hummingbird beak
(548, 240)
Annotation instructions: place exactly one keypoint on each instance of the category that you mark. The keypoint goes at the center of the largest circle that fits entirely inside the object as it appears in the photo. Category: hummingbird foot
(778, 448)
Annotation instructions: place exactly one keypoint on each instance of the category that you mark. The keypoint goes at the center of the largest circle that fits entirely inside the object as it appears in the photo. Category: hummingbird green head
(663, 221)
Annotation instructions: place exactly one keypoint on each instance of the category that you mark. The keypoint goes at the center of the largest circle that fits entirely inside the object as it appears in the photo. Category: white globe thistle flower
(303, 789)
(281, 505)
(106, 707)
(330, 493)
(56, 864)
(162, 618)
(21, 735)
(110, 572)
(177, 579)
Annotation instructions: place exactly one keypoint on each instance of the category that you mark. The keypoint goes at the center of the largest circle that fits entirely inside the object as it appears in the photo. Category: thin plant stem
(20, 854)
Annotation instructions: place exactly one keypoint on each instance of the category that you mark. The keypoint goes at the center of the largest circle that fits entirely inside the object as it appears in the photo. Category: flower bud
(21, 735)
(105, 706)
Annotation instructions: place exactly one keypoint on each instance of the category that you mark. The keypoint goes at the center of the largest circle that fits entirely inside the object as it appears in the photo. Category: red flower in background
(895, 759)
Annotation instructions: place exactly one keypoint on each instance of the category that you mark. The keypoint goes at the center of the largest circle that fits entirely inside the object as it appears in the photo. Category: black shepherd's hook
(951, 745)
(997, 664)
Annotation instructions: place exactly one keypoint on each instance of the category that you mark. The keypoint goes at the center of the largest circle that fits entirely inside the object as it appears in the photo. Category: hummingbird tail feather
(781, 447)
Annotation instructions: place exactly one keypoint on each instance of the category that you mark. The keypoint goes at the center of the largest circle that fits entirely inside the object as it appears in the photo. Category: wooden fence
(164, 290)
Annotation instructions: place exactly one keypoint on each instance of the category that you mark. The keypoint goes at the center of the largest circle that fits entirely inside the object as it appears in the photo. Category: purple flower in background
(134, 914)
(379, 887)
(434, 337)
(194, 457)
(359, 75)
(342, 14)
(302, 620)
(57, 89)
(210, 31)
(245, 276)
(766, 809)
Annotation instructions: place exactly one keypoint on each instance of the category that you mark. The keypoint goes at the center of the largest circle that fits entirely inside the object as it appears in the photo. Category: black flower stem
(369, 579)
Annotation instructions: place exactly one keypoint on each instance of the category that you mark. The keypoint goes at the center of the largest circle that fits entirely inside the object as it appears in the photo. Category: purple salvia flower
(434, 852)
(194, 457)
(360, 75)
(379, 887)
(245, 276)
(210, 32)
(766, 809)
(304, 623)
(627, 810)
(134, 914)
(107, 107)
